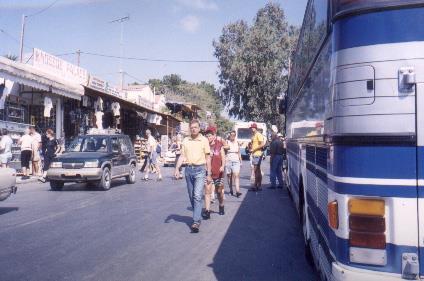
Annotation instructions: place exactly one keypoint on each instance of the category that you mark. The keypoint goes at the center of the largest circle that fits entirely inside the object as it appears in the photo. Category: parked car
(95, 160)
(169, 159)
(7, 183)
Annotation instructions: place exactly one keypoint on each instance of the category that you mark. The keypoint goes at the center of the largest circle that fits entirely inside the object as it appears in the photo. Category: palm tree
(11, 57)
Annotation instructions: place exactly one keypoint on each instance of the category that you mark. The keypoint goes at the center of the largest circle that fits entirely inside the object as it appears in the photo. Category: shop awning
(29, 76)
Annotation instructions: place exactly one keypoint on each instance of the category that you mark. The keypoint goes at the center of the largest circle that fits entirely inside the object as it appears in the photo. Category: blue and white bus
(358, 179)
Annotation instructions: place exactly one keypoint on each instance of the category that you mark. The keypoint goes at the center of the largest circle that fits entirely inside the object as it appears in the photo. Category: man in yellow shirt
(195, 150)
(258, 143)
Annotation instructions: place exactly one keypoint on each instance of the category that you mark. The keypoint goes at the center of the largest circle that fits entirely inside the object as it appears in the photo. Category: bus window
(347, 6)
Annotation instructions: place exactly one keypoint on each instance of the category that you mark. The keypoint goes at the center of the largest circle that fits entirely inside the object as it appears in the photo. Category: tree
(253, 63)
(11, 57)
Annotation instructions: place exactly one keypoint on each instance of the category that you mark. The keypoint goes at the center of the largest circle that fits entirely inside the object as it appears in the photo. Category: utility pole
(78, 56)
(121, 70)
(21, 51)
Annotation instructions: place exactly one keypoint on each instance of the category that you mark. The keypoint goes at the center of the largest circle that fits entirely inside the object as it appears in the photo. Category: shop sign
(96, 83)
(59, 67)
(101, 85)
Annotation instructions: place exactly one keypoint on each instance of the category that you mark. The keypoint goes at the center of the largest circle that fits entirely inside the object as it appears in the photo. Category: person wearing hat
(195, 150)
(258, 143)
(277, 152)
(217, 172)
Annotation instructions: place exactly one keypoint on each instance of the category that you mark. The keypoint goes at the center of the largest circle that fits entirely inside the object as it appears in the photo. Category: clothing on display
(85, 101)
(48, 106)
(99, 120)
(116, 109)
(98, 104)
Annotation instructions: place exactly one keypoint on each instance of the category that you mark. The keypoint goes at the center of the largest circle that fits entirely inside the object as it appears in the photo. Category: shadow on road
(263, 242)
(5, 210)
(178, 218)
(87, 187)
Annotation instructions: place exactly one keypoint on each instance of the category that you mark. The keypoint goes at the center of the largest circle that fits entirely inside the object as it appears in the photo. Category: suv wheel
(56, 185)
(132, 174)
(106, 179)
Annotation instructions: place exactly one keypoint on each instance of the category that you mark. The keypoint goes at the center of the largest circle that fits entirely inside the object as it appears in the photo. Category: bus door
(420, 171)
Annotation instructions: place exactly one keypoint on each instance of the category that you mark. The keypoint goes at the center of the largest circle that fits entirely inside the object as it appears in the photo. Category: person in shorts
(5, 148)
(152, 145)
(26, 153)
(217, 172)
(36, 146)
(258, 143)
(233, 164)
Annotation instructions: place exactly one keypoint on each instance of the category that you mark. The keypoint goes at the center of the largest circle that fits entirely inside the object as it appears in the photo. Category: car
(95, 160)
(8, 183)
(169, 159)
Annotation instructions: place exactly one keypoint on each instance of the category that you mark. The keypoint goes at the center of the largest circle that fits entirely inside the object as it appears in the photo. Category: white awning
(29, 76)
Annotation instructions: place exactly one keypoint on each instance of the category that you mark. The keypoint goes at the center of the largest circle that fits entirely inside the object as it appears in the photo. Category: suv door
(116, 157)
(125, 146)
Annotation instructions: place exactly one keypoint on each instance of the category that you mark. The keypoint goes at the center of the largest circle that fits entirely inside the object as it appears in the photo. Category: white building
(141, 95)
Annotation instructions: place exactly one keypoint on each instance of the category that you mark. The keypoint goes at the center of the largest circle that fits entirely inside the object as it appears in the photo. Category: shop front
(29, 96)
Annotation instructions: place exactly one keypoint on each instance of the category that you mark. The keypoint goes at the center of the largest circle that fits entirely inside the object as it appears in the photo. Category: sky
(157, 29)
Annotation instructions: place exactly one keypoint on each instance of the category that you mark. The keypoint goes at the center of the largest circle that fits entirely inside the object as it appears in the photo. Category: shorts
(5, 158)
(36, 156)
(216, 182)
(256, 160)
(233, 167)
(153, 160)
(26, 158)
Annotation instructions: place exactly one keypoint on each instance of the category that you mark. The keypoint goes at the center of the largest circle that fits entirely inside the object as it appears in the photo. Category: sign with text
(59, 67)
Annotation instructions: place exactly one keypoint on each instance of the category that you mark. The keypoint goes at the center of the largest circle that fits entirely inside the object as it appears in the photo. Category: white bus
(244, 135)
(358, 180)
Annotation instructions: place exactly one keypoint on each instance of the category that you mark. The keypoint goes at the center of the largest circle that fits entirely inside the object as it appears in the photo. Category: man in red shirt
(217, 172)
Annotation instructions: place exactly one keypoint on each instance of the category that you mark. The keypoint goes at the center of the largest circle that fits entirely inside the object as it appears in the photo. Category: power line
(148, 59)
(13, 38)
(44, 9)
(135, 78)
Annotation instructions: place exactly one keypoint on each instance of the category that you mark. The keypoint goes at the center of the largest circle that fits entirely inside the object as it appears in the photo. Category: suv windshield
(89, 144)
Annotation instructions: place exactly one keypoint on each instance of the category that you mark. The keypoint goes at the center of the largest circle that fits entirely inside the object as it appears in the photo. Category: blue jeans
(276, 170)
(195, 178)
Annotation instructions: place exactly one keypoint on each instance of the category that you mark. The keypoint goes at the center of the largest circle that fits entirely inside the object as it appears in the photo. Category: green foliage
(203, 94)
(254, 62)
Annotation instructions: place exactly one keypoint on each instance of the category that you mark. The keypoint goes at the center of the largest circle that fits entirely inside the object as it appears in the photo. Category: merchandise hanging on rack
(48, 106)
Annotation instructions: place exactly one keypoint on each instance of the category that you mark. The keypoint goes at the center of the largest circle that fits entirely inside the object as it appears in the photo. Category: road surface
(141, 232)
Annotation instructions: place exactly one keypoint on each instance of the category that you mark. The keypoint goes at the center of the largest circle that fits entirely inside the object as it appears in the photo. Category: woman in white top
(233, 164)
(26, 152)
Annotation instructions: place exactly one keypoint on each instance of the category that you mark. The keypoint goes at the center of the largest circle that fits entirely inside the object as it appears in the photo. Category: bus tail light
(333, 214)
(374, 224)
(367, 227)
(367, 240)
(369, 207)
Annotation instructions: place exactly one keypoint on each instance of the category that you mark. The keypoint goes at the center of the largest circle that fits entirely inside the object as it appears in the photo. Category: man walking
(153, 155)
(277, 157)
(233, 164)
(195, 150)
(217, 172)
(258, 143)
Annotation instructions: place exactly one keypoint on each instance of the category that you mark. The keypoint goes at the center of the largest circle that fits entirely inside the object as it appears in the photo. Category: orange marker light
(333, 214)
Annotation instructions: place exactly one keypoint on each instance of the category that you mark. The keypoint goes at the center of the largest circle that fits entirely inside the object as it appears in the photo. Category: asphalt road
(141, 232)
